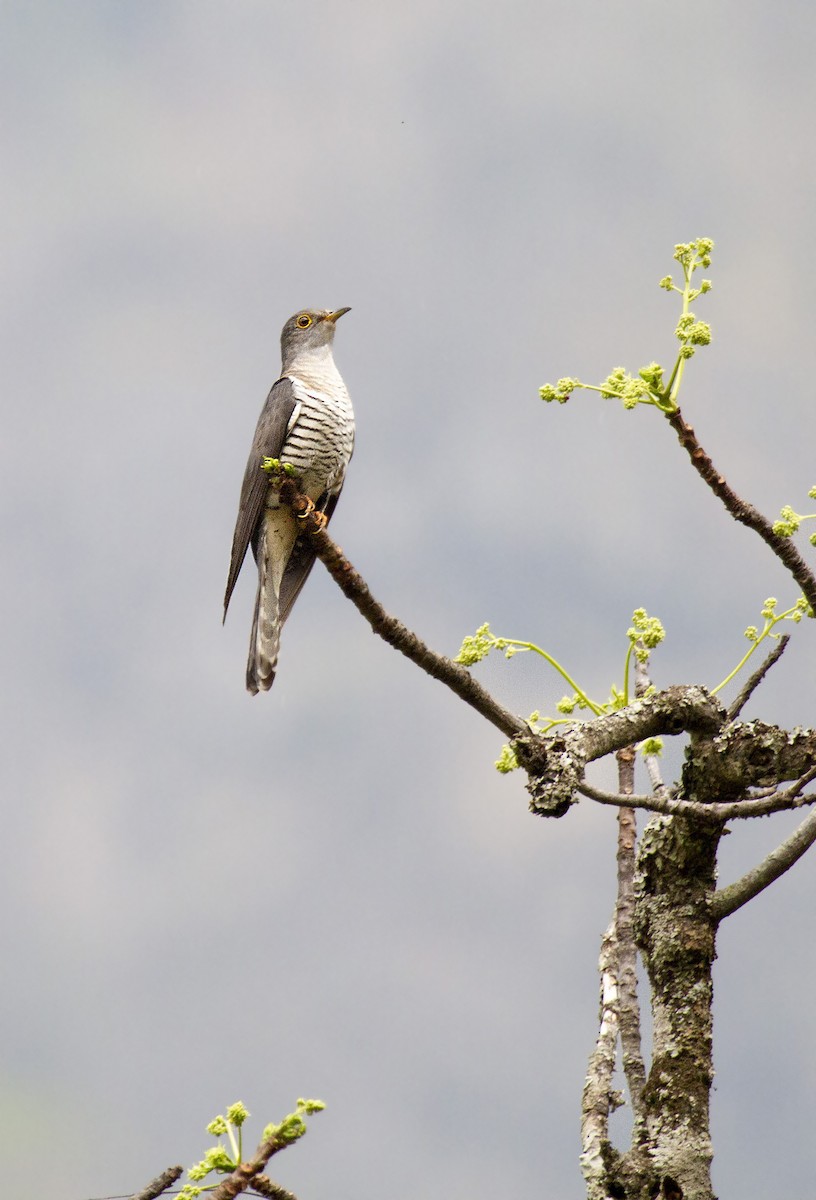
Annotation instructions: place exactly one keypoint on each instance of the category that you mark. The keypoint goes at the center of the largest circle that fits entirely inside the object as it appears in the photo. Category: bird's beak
(336, 315)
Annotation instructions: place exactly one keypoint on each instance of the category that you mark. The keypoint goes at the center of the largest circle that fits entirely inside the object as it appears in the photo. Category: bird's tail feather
(264, 641)
(274, 546)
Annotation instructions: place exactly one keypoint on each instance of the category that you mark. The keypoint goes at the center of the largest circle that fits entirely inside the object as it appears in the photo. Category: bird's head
(309, 329)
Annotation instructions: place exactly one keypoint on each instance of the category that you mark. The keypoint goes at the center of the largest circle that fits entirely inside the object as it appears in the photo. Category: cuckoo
(307, 421)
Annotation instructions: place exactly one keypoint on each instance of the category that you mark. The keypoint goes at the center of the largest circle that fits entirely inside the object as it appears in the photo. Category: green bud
(475, 648)
(651, 746)
(217, 1159)
(290, 1129)
(217, 1127)
(507, 761)
(237, 1113)
(700, 334)
(667, 283)
(652, 375)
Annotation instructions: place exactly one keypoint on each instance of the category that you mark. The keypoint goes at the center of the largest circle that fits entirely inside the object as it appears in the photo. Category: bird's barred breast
(320, 440)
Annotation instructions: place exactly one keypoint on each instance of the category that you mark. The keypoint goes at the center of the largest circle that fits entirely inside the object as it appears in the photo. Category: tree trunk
(676, 933)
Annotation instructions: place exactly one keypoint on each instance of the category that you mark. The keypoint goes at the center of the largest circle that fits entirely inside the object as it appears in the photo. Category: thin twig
(671, 806)
(160, 1184)
(743, 512)
(642, 685)
(392, 631)
(756, 679)
(729, 899)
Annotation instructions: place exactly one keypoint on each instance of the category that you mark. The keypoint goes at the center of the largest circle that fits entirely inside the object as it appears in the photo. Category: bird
(308, 422)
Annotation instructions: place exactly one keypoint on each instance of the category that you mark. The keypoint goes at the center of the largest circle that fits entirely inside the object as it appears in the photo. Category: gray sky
(328, 891)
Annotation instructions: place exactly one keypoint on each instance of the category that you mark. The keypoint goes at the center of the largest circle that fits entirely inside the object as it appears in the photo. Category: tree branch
(389, 629)
(160, 1184)
(756, 679)
(555, 762)
(263, 1186)
(665, 803)
(247, 1174)
(743, 512)
(728, 899)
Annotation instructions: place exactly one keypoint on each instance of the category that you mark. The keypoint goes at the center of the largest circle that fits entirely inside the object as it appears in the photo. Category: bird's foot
(306, 508)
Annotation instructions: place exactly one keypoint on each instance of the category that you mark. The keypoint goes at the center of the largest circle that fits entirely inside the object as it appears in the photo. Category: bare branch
(664, 802)
(160, 1184)
(457, 678)
(262, 1185)
(743, 512)
(756, 679)
(728, 899)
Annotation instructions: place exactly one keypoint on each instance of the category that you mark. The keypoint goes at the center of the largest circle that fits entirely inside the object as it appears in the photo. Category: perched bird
(307, 421)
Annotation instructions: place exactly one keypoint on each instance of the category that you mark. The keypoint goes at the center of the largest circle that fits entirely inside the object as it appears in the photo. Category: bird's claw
(308, 510)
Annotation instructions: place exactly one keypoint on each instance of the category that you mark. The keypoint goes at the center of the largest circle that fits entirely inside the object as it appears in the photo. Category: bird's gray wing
(270, 434)
(301, 560)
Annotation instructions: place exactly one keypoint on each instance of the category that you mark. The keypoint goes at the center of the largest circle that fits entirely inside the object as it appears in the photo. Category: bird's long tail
(275, 543)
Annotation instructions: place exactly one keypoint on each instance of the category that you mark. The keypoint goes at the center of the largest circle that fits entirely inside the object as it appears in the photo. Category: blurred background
(328, 890)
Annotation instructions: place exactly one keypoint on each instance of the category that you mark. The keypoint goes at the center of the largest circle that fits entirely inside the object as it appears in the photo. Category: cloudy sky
(327, 890)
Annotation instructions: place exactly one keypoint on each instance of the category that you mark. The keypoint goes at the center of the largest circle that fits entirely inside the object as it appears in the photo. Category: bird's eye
(304, 321)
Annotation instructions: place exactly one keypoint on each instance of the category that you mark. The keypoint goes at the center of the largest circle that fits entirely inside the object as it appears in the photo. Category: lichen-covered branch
(746, 755)
(555, 762)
